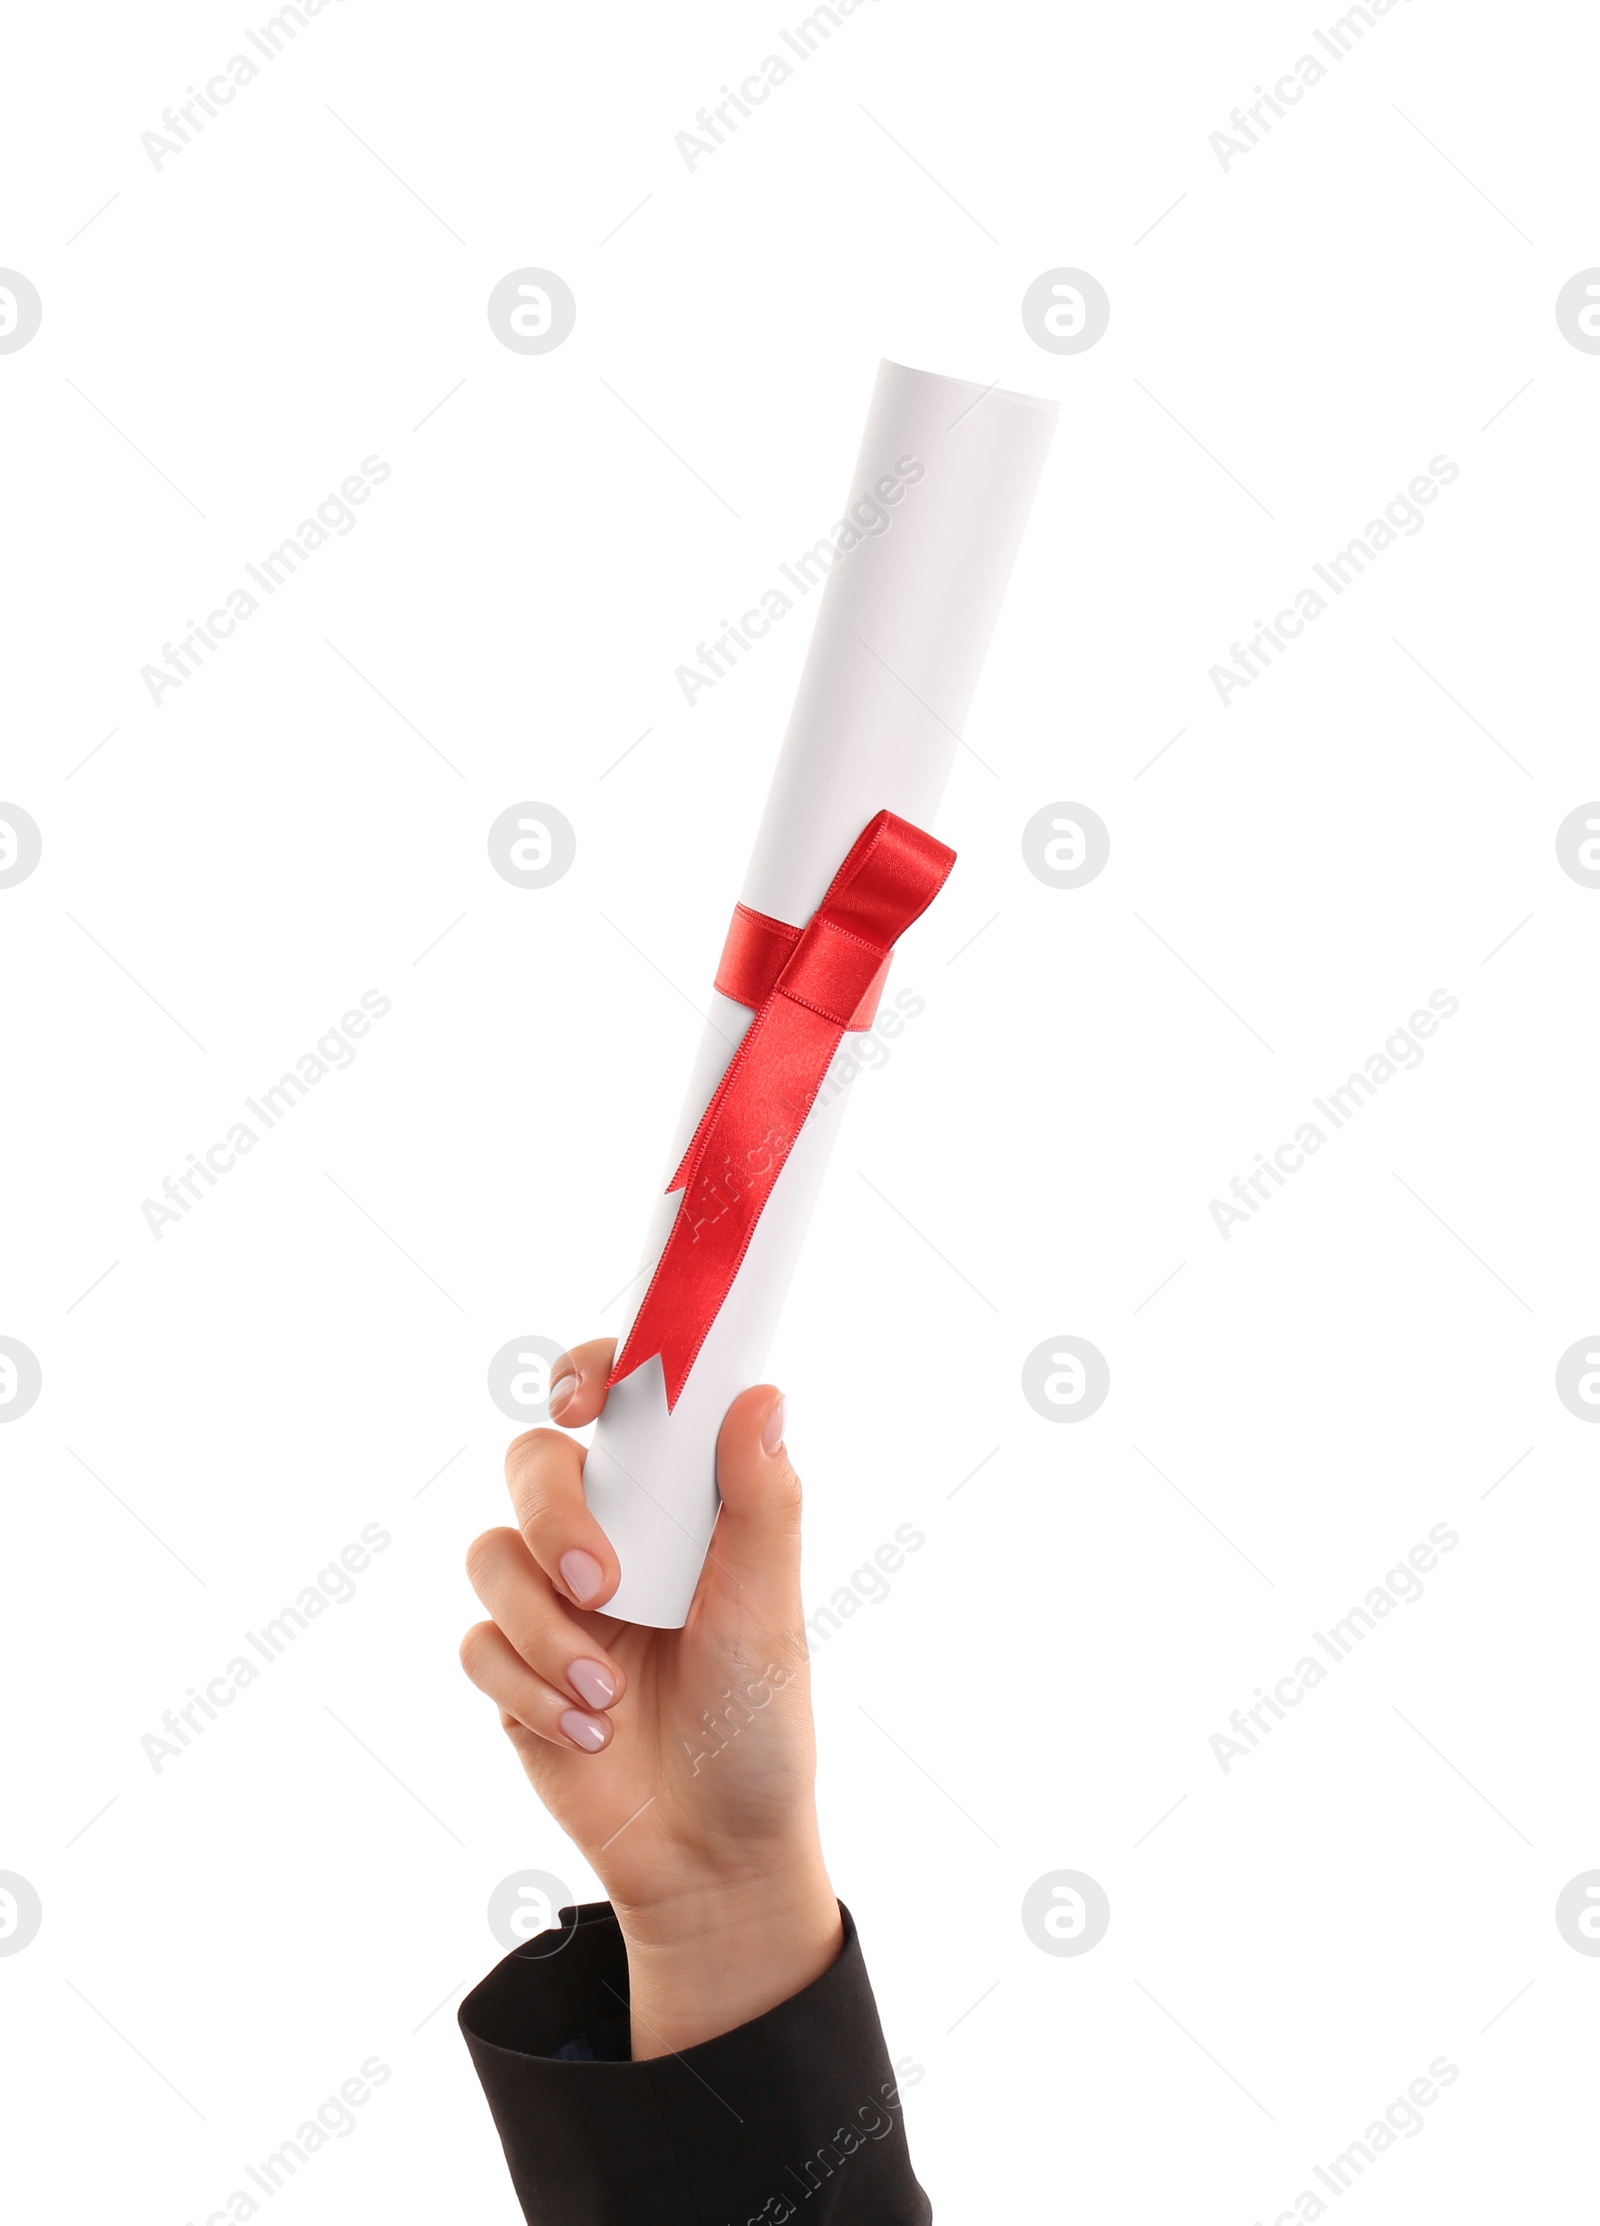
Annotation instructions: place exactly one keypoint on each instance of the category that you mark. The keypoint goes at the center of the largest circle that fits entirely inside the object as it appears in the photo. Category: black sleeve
(793, 2116)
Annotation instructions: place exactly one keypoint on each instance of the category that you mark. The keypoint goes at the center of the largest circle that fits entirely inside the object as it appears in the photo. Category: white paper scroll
(901, 633)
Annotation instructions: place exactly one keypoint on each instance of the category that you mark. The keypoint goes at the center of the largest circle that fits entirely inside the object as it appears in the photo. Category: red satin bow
(807, 986)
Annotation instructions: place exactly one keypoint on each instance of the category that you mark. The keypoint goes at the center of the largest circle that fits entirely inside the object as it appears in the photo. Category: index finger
(578, 1382)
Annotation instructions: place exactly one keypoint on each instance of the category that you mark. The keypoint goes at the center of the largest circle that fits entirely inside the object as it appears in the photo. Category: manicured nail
(592, 1682)
(584, 1731)
(581, 1574)
(772, 1429)
(561, 1391)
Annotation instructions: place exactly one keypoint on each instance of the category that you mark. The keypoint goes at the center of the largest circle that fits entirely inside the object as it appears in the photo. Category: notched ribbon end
(674, 1372)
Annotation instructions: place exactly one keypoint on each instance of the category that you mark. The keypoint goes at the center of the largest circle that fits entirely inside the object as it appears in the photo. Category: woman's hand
(681, 1762)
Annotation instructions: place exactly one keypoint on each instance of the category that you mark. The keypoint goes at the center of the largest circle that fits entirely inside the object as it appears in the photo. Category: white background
(1290, 344)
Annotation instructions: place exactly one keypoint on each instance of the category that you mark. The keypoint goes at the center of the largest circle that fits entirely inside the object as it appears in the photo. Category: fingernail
(581, 1574)
(584, 1731)
(592, 1682)
(561, 1391)
(772, 1429)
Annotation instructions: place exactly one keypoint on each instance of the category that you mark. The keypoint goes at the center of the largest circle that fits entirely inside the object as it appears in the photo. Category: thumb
(757, 1543)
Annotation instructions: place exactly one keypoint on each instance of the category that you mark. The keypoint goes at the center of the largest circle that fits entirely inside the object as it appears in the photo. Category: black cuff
(793, 2116)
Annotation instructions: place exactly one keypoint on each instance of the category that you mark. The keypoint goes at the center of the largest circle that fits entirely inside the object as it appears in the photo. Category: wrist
(716, 1952)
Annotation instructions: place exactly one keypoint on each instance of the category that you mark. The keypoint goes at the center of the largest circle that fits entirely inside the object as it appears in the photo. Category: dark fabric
(793, 2116)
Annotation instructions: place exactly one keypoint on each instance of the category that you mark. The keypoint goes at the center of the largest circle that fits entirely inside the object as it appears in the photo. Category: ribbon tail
(660, 1330)
(808, 987)
(727, 1175)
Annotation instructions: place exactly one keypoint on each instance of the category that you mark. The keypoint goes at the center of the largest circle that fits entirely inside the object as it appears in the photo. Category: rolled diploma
(901, 633)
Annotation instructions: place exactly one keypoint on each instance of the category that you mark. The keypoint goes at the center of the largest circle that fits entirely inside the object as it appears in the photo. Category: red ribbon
(807, 987)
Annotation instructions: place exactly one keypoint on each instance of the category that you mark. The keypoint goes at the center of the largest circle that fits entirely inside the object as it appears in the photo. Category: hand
(681, 1762)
